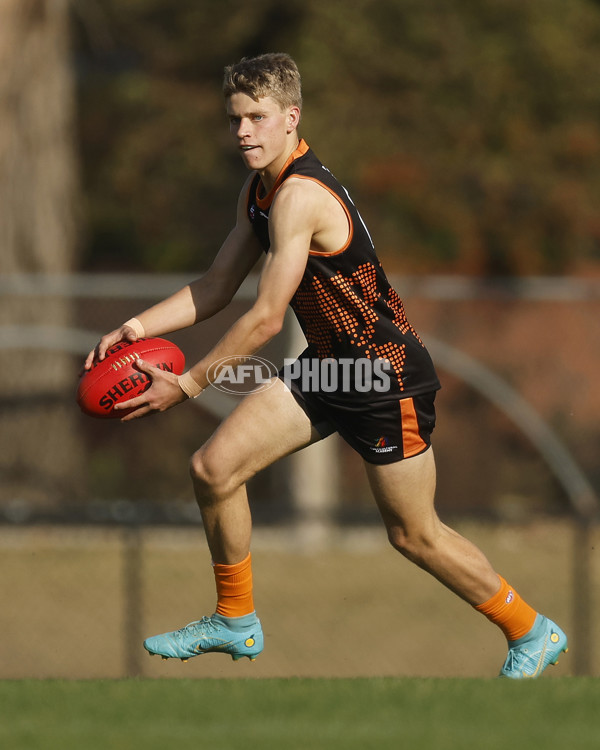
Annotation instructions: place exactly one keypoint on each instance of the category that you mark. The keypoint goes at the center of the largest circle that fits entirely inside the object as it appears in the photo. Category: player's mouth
(245, 148)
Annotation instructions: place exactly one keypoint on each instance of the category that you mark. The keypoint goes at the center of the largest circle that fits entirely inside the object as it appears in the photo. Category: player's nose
(244, 129)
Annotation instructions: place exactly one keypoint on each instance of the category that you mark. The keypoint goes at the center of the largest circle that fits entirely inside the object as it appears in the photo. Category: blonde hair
(274, 74)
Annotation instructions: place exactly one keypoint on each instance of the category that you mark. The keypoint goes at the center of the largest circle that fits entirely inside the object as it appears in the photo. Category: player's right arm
(200, 299)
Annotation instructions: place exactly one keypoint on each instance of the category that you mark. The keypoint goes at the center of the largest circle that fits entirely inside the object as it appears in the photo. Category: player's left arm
(293, 220)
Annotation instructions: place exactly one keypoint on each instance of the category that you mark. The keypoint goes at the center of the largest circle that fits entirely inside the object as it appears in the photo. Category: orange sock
(234, 588)
(509, 612)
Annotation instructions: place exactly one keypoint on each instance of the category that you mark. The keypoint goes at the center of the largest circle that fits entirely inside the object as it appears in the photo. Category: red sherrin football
(115, 379)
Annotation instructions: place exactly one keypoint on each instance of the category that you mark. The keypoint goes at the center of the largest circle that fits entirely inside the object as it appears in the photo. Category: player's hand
(162, 394)
(98, 353)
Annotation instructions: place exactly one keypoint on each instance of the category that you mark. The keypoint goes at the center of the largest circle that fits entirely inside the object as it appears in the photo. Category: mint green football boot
(238, 636)
(530, 655)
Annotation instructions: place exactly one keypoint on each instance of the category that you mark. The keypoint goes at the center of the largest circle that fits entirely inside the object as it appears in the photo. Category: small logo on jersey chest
(254, 212)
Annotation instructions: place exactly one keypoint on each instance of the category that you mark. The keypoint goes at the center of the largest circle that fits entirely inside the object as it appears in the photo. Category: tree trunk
(39, 453)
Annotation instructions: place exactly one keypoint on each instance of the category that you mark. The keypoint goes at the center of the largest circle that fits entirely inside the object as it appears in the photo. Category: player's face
(263, 132)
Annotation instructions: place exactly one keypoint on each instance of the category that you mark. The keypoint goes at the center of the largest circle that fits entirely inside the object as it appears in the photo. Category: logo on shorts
(239, 375)
(383, 446)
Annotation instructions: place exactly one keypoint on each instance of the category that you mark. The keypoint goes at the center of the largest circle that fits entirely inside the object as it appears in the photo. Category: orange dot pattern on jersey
(396, 356)
(341, 309)
(400, 319)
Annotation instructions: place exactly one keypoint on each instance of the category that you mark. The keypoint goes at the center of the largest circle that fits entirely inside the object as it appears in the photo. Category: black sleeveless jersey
(344, 304)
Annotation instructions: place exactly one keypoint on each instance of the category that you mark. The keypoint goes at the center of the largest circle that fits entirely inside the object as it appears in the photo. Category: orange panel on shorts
(412, 442)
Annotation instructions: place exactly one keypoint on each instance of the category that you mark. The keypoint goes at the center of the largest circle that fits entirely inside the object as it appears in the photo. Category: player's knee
(415, 546)
(399, 540)
(209, 477)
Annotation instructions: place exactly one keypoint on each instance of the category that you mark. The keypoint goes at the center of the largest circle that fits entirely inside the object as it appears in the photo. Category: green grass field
(300, 714)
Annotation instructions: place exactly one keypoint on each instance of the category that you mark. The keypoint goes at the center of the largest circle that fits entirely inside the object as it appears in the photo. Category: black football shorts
(382, 431)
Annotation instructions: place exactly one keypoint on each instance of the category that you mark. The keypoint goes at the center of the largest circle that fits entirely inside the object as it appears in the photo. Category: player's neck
(269, 175)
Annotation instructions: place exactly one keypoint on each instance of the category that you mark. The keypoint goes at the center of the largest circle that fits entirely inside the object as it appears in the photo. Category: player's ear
(293, 118)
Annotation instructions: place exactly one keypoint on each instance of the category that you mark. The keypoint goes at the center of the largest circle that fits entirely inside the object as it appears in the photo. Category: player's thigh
(404, 492)
(264, 427)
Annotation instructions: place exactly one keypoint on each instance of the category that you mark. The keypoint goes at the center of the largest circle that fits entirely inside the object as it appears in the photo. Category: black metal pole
(132, 600)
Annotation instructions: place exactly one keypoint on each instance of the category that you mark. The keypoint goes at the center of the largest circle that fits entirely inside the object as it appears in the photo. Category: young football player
(319, 258)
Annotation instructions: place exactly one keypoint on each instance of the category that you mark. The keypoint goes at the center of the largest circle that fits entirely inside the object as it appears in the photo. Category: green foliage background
(468, 133)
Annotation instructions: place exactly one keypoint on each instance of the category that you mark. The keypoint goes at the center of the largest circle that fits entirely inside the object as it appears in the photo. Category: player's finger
(133, 403)
(97, 354)
(144, 411)
(87, 365)
(146, 367)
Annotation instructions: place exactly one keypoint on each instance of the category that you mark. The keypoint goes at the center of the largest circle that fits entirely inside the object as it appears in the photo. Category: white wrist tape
(188, 385)
(137, 327)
